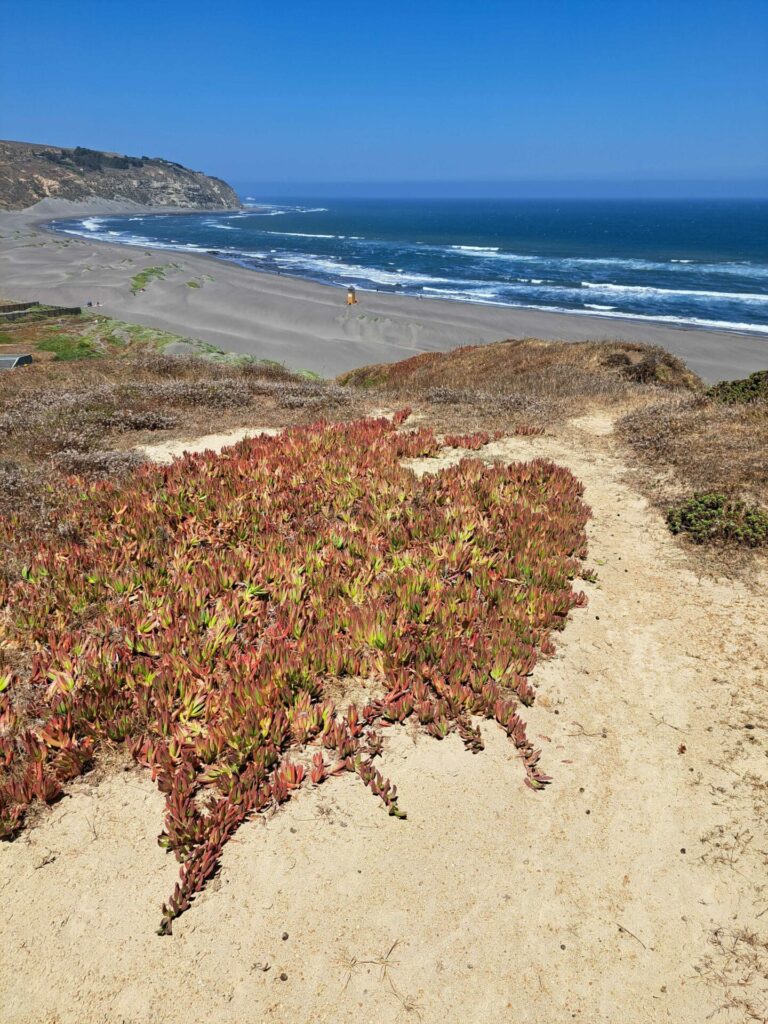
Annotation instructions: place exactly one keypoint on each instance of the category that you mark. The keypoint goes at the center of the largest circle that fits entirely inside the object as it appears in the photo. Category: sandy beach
(296, 322)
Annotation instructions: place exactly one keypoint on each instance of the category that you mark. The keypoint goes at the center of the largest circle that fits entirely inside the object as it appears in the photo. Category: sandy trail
(596, 901)
(297, 322)
(167, 451)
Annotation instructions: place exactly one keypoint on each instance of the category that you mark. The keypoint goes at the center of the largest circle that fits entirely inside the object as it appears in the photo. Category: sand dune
(300, 323)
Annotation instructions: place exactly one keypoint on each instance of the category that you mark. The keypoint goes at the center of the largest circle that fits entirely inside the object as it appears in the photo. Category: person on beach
(351, 295)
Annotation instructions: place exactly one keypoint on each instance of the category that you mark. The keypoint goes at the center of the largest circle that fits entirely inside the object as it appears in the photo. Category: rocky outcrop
(29, 173)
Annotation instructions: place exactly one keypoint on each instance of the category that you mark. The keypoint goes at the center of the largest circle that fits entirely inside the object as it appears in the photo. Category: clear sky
(584, 95)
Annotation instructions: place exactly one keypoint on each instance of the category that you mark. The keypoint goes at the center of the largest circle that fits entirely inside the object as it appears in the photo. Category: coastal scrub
(716, 517)
(753, 388)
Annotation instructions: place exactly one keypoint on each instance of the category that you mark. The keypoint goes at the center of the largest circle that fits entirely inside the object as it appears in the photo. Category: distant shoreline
(304, 323)
(212, 255)
(471, 273)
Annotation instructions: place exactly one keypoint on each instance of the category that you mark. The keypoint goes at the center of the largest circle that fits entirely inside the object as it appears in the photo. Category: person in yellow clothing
(351, 296)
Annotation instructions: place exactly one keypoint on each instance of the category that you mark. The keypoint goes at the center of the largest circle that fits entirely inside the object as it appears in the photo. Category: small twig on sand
(628, 932)
(663, 721)
(380, 961)
(384, 963)
(583, 732)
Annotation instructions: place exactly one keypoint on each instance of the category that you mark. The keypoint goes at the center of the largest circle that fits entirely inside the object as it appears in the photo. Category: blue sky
(586, 95)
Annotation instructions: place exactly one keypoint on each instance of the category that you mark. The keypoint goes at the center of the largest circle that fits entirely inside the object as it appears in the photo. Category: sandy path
(300, 323)
(502, 905)
(167, 451)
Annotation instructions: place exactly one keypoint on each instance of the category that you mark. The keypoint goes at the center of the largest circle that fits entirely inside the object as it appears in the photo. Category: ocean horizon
(699, 262)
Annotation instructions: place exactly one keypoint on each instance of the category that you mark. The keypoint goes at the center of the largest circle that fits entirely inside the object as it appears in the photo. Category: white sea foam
(476, 248)
(338, 268)
(495, 253)
(211, 223)
(299, 234)
(641, 290)
(271, 209)
(692, 321)
(497, 293)
(490, 253)
(467, 295)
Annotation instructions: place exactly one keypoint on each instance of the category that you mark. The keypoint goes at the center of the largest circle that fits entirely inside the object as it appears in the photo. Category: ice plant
(203, 612)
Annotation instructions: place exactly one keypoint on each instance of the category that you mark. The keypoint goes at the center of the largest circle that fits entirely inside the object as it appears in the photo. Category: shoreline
(300, 322)
(47, 225)
(628, 318)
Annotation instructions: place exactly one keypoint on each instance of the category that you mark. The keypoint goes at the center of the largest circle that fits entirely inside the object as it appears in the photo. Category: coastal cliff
(29, 173)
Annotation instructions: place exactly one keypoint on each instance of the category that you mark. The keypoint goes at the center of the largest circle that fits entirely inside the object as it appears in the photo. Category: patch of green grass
(142, 279)
(68, 347)
(366, 383)
(715, 517)
(119, 332)
(193, 284)
(6, 339)
(749, 389)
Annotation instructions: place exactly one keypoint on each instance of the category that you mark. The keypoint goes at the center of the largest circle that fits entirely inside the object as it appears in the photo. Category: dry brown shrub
(543, 379)
(80, 417)
(705, 446)
(108, 463)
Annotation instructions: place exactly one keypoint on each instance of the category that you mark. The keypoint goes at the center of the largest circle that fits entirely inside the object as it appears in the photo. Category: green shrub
(749, 389)
(141, 280)
(715, 517)
(67, 347)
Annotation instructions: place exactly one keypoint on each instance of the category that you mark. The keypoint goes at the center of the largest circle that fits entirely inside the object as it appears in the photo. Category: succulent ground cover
(202, 613)
(716, 517)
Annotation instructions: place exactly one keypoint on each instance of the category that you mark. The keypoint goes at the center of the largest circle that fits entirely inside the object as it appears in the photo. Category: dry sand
(614, 896)
(167, 451)
(300, 323)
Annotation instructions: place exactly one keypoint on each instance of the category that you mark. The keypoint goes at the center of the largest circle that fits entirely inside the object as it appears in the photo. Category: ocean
(702, 263)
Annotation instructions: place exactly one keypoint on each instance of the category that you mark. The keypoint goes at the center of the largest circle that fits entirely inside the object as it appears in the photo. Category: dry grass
(703, 446)
(535, 382)
(551, 371)
(85, 417)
